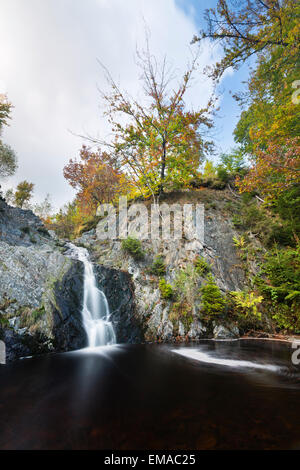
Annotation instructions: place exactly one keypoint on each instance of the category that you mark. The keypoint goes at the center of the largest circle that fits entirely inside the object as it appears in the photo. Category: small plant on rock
(166, 290)
(239, 242)
(133, 246)
(185, 284)
(38, 314)
(201, 266)
(158, 267)
(213, 302)
(246, 302)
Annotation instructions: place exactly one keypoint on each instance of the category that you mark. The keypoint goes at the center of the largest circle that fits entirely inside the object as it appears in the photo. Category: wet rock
(167, 332)
(222, 332)
(217, 249)
(20, 226)
(119, 290)
(180, 329)
(197, 330)
(41, 290)
(22, 345)
(67, 330)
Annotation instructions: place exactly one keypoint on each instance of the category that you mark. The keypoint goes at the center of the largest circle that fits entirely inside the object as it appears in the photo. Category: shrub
(287, 318)
(213, 302)
(43, 231)
(217, 184)
(282, 268)
(239, 242)
(201, 266)
(223, 175)
(166, 290)
(280, 233)
(183, 312)
(287, 207)
(279, 282)
(185, 284)
(133, 246)
(246, 303)
(158, 267)
(26, 229)
(247, 197)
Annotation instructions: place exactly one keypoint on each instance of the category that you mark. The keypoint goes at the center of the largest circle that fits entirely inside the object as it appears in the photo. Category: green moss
(4, 323)
(38, 313)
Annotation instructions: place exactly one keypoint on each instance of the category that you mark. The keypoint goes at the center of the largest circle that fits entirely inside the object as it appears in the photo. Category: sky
(49, 53)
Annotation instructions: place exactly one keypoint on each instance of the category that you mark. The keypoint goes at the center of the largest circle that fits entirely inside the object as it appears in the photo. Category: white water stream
(95, 311)
(210, 359)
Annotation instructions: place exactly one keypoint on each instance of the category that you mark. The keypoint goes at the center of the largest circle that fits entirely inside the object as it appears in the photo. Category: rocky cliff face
(119, 290)
(152, 311)
(40, 289)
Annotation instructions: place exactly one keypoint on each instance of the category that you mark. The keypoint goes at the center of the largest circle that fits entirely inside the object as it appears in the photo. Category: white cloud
(48, 56)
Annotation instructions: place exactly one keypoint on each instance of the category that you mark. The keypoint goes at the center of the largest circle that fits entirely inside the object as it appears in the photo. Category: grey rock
(180, 329)
(119, 290)
(167, 332)
(222, 332)
(197, 330)
(41, 290)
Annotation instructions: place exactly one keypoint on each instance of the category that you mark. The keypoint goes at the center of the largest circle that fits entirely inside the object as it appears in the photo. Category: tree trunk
(163, 167)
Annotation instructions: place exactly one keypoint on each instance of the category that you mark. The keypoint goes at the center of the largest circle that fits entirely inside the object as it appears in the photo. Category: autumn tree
(251, 27)
(270, 32)
(276, 169)
(8, 160)
(158, 142)
(270, 119)
(66, 220)
(96, 177)
(23, 193)
(5, 110)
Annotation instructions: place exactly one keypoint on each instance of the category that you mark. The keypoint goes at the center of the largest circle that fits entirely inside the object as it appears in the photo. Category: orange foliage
(96, 177)
(275, 169)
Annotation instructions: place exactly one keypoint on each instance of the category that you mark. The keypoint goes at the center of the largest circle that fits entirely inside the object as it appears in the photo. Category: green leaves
(166, 290)
(133, 246)
(213, 302)
(246, 302)
(158, 142)
(23, 193)
(8, 159)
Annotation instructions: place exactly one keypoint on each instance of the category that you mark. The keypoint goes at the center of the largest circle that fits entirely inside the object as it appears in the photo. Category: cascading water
(95, 311)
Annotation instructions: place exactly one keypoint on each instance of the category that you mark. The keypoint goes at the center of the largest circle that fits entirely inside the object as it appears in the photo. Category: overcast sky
(49, 70)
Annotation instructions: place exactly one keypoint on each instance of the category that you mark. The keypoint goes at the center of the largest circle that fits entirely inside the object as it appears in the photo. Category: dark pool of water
(151, 397)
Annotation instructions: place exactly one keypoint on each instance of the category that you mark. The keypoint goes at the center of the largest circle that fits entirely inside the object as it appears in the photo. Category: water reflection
(214, 395)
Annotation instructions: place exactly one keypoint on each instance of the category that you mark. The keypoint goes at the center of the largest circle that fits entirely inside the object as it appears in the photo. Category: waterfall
(95, 311)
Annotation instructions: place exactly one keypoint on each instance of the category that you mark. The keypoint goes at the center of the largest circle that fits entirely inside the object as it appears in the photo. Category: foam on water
(235, 363)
